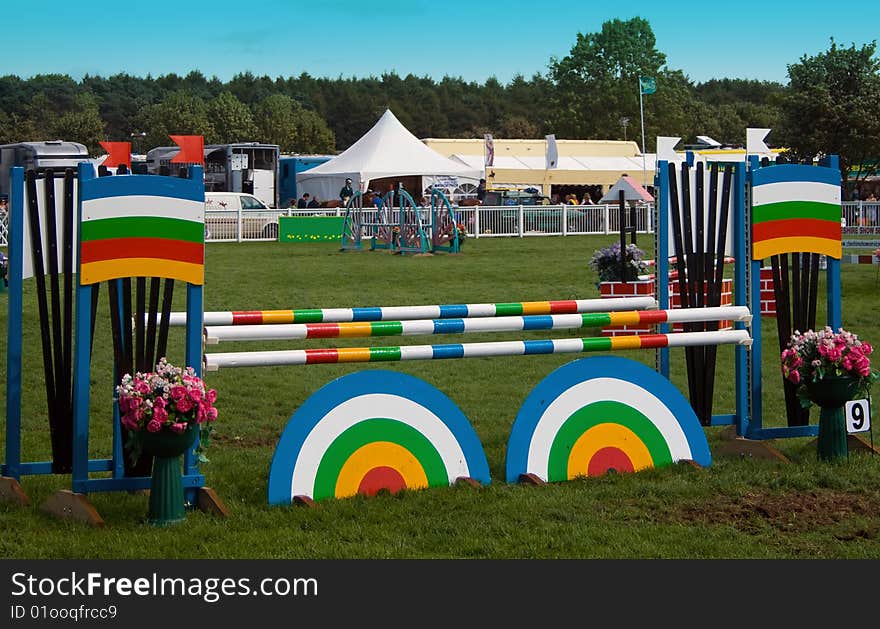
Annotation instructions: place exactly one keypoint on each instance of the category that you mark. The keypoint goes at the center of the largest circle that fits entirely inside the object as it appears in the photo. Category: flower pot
(830, 394)
(832, 391)
(166, 484)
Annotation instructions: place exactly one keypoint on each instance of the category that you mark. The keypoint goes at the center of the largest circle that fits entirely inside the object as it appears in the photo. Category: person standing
(314, 203)
(346, 193)
(481, 191)
(303, 202)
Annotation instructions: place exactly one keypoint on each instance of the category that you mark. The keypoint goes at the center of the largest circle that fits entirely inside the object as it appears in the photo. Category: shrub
(606, 262)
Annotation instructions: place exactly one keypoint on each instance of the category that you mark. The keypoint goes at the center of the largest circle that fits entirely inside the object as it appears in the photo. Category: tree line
(827, 107)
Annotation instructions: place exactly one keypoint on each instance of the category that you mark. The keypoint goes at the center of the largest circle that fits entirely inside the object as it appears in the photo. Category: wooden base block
(11, 491)
(71, 506)
(858, 443)
(304, 501)
(209, 502)
(467, 480)
(750, 449)
(690, 463)
(855, 443)
(531, 479)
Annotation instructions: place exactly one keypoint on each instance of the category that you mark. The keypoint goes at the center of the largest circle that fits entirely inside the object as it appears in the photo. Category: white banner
(552, 153)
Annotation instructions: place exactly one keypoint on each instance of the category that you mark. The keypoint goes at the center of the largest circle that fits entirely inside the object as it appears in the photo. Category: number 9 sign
(858, 416)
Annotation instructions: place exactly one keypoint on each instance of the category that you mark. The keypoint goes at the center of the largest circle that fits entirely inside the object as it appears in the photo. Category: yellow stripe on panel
(95, 272)
(766, 248)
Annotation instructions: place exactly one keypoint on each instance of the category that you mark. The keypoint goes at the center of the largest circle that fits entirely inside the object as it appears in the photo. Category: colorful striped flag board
(129, 231)
(796, 208)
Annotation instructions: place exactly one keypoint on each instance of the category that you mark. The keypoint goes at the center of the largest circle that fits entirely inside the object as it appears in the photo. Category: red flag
(117, 153)
(191, 149)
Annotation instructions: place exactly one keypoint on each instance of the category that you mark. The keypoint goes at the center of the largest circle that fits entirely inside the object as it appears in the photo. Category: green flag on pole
(647, 84)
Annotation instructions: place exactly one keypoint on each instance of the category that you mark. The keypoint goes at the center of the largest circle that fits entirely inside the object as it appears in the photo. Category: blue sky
(472, 40)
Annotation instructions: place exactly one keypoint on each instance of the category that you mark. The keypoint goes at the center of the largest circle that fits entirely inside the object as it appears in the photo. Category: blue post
(832, 285)
(745, 292)
(118, 446)
(15, 237)
(81, 358)
(661, 266)
(194, 324)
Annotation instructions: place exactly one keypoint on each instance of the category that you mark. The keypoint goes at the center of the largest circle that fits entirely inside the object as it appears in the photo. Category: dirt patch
(793, 512)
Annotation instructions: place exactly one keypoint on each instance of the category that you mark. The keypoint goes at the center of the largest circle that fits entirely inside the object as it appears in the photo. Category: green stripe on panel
(604, 412)
(143, 227)
(795, 209)
(370, 431)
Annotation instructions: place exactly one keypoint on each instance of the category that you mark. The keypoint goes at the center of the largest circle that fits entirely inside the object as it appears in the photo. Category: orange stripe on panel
(159, 248)
(796, 228)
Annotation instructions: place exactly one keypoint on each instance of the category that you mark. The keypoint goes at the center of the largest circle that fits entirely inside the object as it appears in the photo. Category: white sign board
(238, 161)
(858, 416)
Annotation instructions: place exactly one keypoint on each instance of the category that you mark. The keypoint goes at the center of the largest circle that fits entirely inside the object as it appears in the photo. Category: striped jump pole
(401, 313)
(294, 331)
(214, 362)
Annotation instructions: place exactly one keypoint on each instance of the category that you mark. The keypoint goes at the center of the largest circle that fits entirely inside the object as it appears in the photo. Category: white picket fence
(858, 217)
(479, 221)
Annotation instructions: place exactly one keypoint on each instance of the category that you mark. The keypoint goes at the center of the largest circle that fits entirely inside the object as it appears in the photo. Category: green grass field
(737, 508)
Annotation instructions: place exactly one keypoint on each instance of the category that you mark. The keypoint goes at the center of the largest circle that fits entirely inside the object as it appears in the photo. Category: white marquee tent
(386, 150)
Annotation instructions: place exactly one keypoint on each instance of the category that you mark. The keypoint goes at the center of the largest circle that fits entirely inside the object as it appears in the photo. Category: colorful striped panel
(795, 208)
(143, 226)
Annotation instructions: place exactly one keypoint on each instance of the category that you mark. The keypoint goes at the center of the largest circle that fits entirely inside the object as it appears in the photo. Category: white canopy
(386, 150)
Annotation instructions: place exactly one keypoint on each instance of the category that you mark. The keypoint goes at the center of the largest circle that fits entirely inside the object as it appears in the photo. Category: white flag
(490, 150)
(552, 153)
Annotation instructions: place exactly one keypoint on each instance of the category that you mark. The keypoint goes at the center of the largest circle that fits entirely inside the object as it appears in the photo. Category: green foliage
(282, 120)
(313, 135)
(81, 123)
(275, 119)
(231, 120)
(831, 107)
(179, 113)
(607, 264)
(736, 91)
(597, 82)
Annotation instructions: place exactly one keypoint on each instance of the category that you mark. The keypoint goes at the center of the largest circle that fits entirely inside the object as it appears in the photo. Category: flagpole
(642, 112)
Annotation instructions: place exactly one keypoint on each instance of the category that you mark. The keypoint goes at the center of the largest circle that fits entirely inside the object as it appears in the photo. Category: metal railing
(861, 217)
(479, 221)
(548, 220)
(858, 217)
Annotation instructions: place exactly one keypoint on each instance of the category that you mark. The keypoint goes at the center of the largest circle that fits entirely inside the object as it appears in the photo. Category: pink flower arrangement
(169, 398)
(810, 356)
